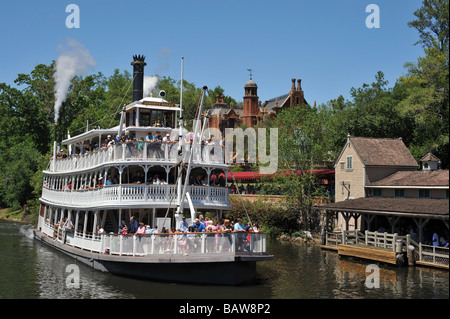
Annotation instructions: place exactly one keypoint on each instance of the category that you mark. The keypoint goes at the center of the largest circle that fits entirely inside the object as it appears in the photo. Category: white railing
(138, 151)
(434, 254)
(136, 193)
(429, 254)
(352, 237)
(210, 243)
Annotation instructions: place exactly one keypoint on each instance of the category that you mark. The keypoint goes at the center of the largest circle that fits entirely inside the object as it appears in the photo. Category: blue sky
(325, 43)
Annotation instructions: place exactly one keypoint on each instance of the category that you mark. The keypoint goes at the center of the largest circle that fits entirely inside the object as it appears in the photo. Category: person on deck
(239, 227)
(183, 226)
(200, 226)
(435, 239)
(141, 229)
(133, 225)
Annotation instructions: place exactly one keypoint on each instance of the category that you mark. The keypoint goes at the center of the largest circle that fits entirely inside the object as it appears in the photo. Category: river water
(32, 270)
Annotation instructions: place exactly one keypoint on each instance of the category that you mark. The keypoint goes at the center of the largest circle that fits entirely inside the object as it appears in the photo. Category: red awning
(243, 176)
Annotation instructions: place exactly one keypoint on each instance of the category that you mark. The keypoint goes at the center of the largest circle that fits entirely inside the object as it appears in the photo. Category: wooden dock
(361, 251)
(382, 247)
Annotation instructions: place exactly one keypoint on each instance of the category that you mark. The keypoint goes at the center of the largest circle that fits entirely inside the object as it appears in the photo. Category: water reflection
(306, 271)
(30, 269)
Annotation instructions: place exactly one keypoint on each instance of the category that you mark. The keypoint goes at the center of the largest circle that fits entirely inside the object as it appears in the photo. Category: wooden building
(380, 190)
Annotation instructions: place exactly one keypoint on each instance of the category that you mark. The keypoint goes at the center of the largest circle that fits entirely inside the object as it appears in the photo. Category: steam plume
(150, 83)
(74, 60)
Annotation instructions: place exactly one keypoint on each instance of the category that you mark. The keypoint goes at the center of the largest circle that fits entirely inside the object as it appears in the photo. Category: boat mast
(54, 149)
(193, 148)
(178, 214)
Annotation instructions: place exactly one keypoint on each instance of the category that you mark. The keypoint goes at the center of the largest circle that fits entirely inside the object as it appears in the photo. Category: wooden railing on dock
(423, 254)
(430, 255)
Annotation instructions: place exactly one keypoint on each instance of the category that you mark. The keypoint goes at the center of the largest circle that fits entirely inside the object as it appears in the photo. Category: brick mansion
(253, 112)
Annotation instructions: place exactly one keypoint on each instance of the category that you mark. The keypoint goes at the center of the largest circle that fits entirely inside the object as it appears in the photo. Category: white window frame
(349, 160)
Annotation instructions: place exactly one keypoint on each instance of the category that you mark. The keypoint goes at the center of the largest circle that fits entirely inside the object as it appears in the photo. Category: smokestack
(138, 77)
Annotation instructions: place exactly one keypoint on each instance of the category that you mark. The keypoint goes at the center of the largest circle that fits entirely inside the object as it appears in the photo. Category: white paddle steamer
(151, 175)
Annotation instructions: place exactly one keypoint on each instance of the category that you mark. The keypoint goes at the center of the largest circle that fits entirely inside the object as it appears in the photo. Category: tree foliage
(432, 24)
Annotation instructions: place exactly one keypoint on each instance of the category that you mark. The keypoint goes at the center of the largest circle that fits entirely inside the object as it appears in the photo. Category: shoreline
(7, 214)
(314, 239)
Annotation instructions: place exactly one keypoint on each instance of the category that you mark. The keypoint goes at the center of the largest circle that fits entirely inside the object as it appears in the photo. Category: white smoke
(74, 60)
(163, 58)
(150, 83)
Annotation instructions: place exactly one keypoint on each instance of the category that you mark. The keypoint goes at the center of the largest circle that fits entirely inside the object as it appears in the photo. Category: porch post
(120, 218)
(77, 218)
(94, 227)
(85, 223)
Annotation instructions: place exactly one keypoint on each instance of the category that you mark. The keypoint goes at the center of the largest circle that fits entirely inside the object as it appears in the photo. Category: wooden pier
(385, 248)
(362, 251)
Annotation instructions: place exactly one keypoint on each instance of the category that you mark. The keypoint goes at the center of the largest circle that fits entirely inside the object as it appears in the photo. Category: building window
(399, 193)
(446, 193)
(377, 192)
(424, 193)
(342, 165)
(349, 163)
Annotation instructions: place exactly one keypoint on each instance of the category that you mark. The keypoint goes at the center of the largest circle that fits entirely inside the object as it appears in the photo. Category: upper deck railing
(138, 151)
(137, 194)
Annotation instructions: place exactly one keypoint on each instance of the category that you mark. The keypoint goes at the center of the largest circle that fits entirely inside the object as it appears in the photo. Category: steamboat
(147, 172)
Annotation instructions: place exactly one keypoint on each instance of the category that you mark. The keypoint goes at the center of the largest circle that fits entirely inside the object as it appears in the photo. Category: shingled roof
(415, 178)
(429, 158)
(393, 206)
(383, 152)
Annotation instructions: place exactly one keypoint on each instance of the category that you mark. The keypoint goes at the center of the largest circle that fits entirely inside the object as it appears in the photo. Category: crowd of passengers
(199, 225)
(150, 138)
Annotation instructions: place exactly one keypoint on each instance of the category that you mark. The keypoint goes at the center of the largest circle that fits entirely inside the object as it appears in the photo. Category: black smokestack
(138, 77)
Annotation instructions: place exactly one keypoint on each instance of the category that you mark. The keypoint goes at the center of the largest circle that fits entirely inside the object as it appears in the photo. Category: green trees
(301, 149)
(427, 82)
(22, 141)
(373, 111)
(432, 24)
